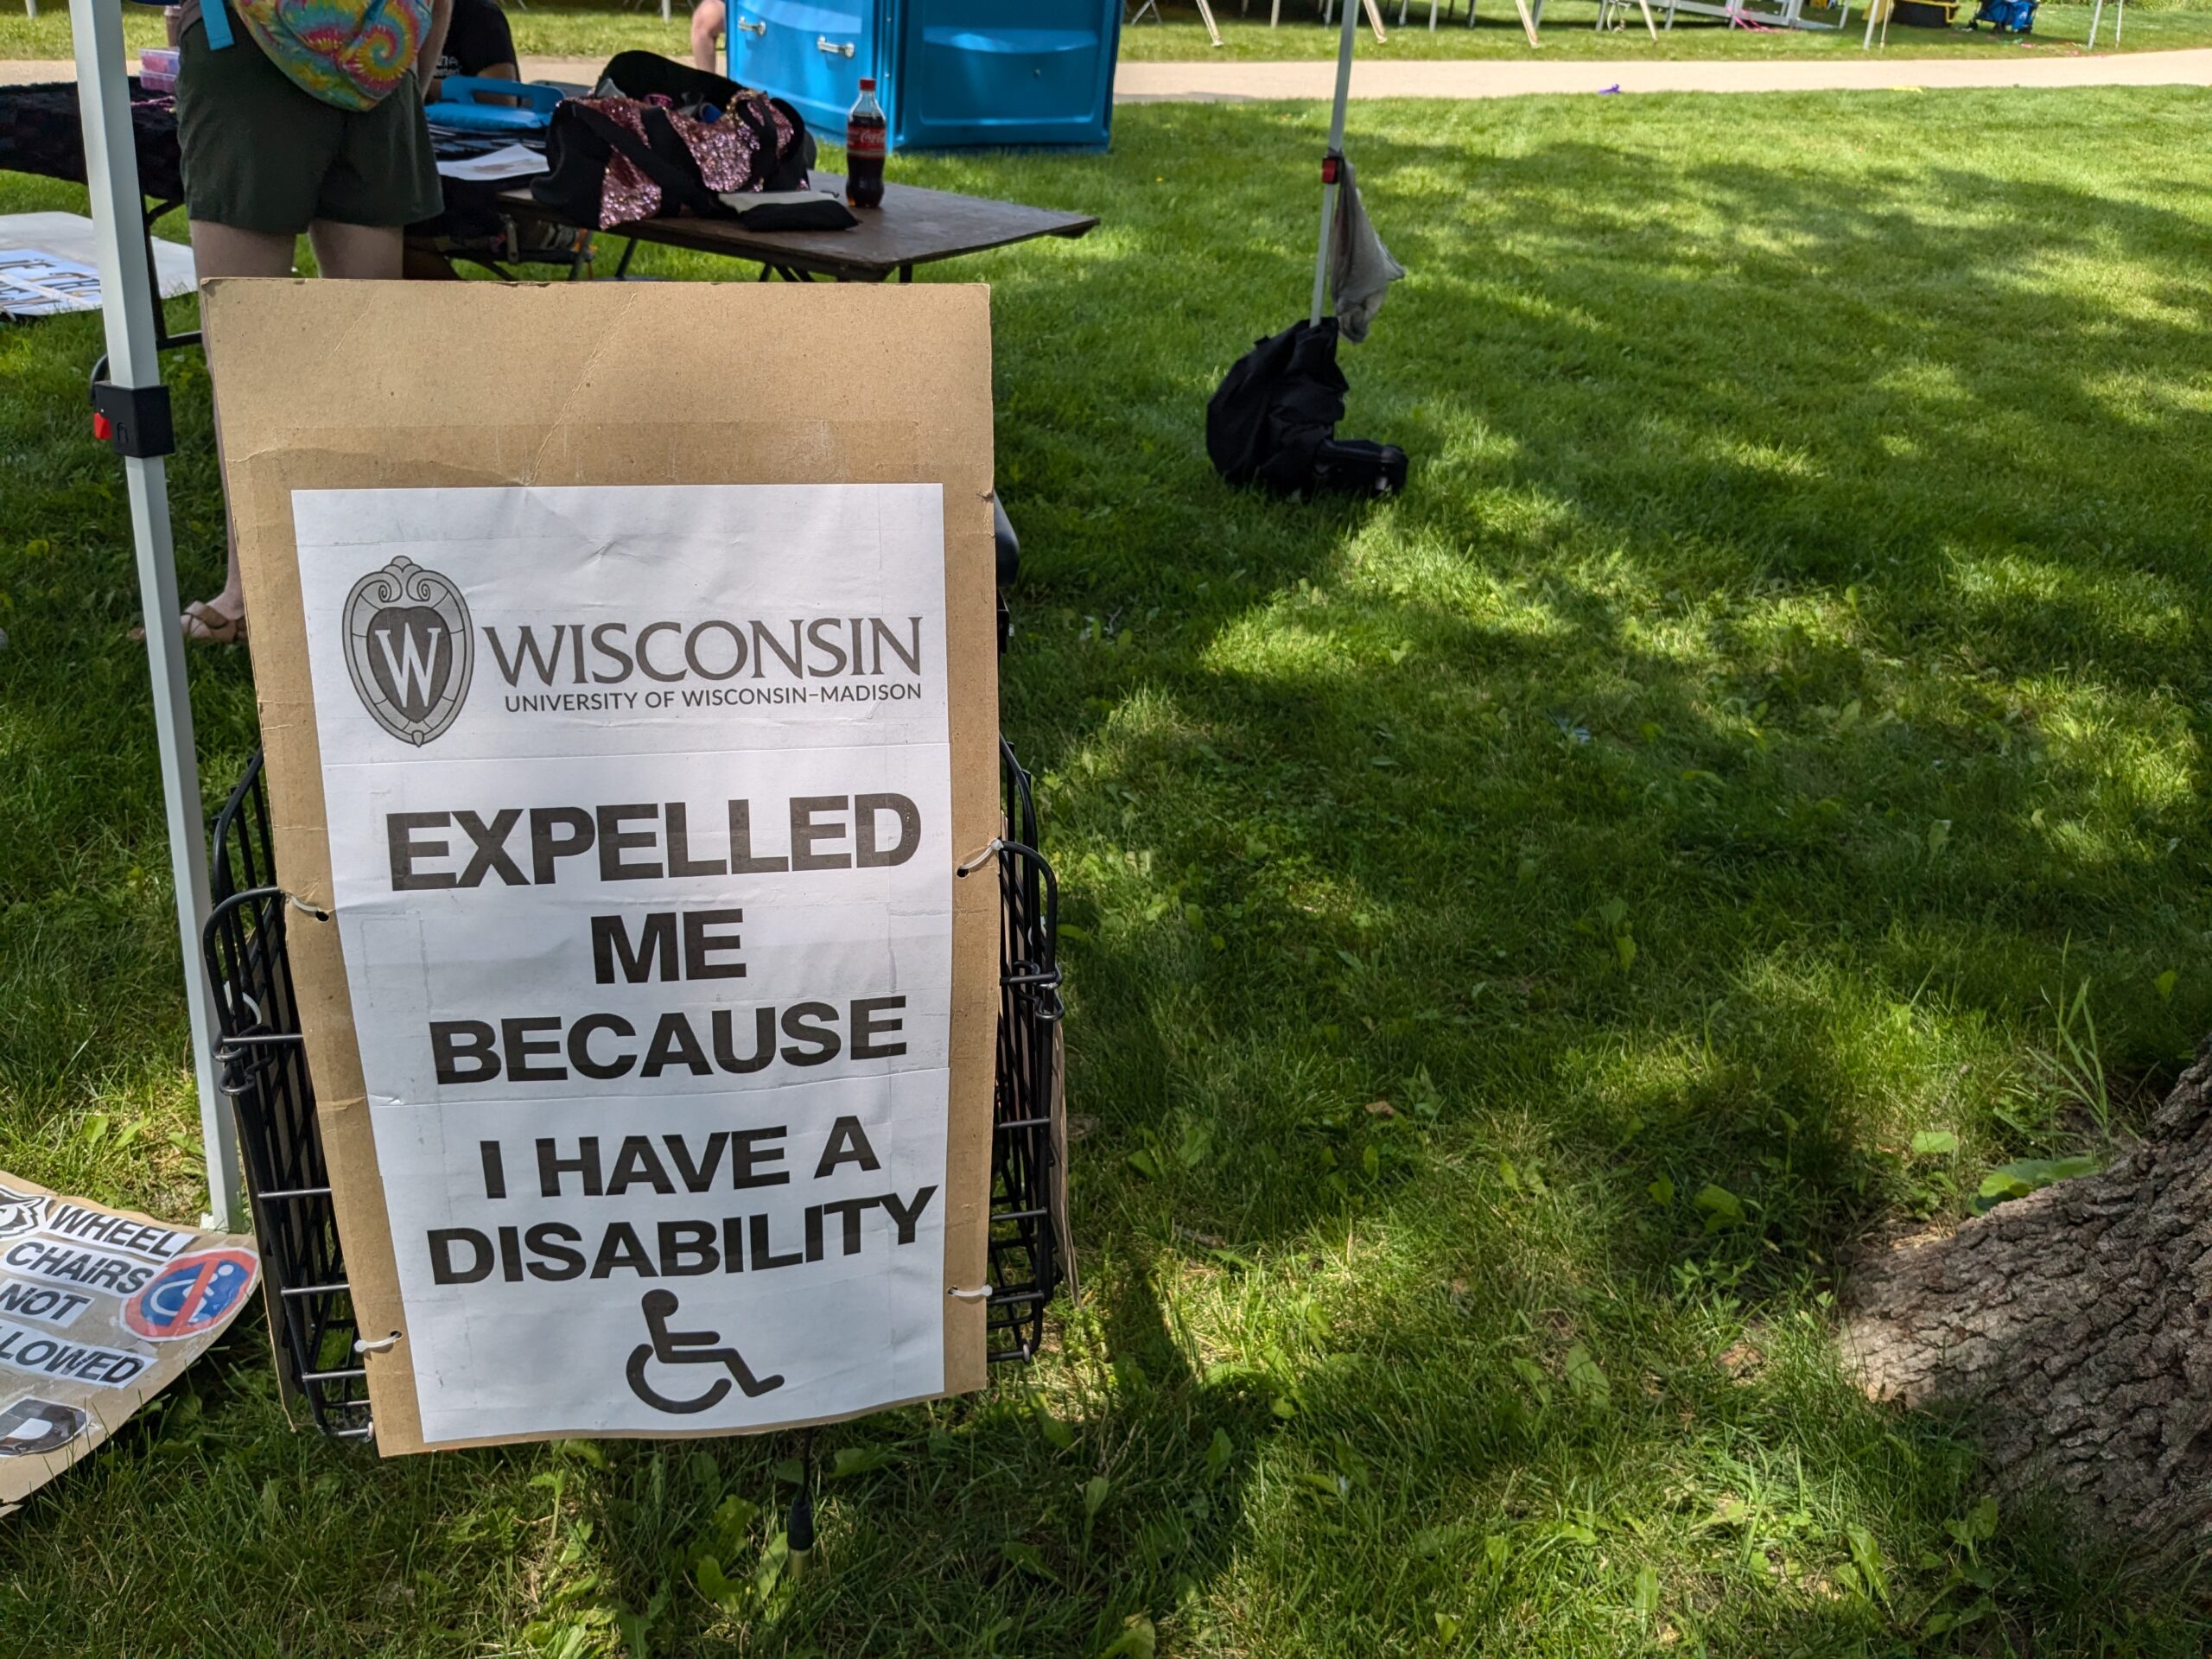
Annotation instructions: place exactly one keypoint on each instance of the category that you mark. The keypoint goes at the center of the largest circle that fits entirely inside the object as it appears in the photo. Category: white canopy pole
(1336, 149)
(127, 303)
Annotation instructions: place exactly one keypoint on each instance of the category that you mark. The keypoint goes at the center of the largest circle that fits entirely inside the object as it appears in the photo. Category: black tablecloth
(40, 133)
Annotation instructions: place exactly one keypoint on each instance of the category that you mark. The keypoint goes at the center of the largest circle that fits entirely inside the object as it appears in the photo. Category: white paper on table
(515, 162)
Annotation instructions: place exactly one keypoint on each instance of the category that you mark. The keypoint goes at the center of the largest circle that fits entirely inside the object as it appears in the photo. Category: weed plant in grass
(1522, 936)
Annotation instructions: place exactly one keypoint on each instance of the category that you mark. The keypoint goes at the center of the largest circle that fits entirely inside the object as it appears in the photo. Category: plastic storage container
(157, 68)
(952, 74)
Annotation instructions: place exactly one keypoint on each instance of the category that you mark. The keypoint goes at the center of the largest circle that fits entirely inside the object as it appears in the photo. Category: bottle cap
(867, 82)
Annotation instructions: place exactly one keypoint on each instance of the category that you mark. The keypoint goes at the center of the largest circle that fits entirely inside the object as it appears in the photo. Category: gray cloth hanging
(1361, 268)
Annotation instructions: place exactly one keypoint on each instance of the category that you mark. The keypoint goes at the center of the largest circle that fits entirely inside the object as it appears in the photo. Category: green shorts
(262, 153)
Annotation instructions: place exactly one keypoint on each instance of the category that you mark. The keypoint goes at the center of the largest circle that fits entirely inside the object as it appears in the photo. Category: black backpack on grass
(1273, 421)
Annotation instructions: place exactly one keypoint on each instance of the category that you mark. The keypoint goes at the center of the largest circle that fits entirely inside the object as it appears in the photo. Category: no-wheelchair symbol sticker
(192, 1295)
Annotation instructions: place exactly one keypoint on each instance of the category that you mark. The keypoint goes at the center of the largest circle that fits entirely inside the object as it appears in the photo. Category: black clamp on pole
(135, 419)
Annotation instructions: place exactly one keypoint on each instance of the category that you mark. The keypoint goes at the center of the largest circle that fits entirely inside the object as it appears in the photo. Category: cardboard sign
(652, 1034)
(100, 1310)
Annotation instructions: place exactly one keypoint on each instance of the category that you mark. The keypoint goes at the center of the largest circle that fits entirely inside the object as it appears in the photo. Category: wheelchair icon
(688, 1348)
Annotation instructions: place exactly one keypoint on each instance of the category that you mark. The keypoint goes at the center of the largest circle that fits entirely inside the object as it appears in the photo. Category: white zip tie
(979, 1294)
(378, 1346)
(301, 905)
(989, 852)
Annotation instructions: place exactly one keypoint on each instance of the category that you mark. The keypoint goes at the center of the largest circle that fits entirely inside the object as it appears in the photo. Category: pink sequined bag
(613, 160)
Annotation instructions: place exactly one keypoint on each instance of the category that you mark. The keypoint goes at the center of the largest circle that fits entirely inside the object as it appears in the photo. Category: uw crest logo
(20, 1212)
(407, 645)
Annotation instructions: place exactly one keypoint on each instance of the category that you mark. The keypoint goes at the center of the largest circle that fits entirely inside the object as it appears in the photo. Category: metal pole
(127, 303)
(1335, 147)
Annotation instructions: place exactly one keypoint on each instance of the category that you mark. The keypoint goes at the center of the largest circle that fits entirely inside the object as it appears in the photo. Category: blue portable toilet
(950, 74)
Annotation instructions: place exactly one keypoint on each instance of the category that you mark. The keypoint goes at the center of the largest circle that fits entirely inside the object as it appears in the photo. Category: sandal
(204, 625)
(209, 627)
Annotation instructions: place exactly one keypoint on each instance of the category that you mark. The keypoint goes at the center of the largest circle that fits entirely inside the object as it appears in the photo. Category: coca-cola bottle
(865, 136)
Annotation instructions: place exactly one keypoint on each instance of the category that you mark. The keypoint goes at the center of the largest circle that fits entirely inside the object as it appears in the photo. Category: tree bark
(2074, 1327)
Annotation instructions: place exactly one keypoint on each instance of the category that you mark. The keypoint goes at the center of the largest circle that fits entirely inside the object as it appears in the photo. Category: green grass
(596, 28)
(1801, 580)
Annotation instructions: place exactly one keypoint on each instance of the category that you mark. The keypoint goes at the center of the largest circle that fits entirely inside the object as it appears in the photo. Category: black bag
(583, 140)
(1273, 421)
(1357, 466)
(648, 74)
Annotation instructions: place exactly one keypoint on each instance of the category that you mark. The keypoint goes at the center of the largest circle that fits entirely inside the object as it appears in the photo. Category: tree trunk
(2075, 1327)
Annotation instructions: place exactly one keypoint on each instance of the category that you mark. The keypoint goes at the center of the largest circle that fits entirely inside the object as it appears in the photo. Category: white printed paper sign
(638, 812)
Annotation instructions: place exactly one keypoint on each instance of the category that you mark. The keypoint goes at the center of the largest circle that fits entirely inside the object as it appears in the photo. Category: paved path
(1206, 82)
(1202, 82)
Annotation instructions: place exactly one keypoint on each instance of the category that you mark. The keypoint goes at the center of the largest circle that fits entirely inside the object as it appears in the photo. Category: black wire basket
(262, 1064)
(1028, 1154)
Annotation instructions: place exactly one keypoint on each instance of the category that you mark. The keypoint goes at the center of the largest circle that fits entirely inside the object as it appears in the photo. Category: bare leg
(220, 251)
(357, 252)
(342, 250)
(708, 18)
